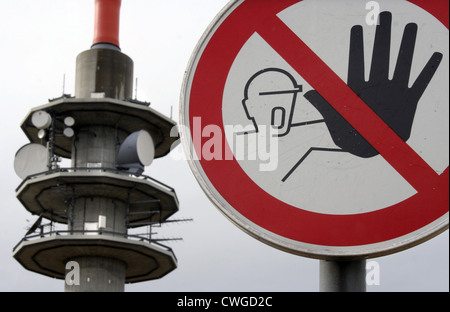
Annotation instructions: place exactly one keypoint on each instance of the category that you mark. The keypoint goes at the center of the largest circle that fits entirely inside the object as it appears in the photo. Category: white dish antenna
(30, 159)
(41, 120)
(136, 152)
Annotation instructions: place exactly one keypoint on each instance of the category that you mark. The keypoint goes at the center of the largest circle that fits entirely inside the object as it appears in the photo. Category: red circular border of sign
(247, 198)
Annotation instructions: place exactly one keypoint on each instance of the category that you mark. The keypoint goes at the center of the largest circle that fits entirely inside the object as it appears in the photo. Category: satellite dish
(30, 159)
(41, 120)
(145, 148)
(68, 132)
(69, 121)
(42, 133)
(136, 151)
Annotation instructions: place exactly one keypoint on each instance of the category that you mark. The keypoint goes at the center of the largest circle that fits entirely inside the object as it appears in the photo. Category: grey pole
(343, 276)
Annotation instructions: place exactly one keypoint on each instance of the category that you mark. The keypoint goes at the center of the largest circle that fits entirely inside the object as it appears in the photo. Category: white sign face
(334, 119)
(328, 181)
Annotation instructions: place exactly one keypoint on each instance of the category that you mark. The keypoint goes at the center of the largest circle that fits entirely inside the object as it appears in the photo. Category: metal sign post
(310, 143)
(343, 276)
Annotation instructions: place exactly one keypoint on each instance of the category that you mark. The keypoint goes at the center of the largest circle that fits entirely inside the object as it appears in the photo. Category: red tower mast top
(106, 25)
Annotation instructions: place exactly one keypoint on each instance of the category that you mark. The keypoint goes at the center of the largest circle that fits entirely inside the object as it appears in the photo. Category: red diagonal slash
(322, 78)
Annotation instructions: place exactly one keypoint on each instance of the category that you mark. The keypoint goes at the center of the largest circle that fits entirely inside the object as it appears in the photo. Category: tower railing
(96, 169)
(137, 237)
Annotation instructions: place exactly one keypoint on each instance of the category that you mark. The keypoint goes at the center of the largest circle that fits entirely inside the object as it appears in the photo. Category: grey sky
(40, 41)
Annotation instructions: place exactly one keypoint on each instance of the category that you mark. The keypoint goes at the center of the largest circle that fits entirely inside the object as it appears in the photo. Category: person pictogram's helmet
(269, 100)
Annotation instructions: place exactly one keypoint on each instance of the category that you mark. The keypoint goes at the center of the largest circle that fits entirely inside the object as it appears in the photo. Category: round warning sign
(322, 127)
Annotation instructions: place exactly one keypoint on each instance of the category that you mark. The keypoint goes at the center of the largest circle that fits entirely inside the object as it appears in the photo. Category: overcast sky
(40, 41)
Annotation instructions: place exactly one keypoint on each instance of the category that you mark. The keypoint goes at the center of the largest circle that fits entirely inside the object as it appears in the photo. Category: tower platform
(49, 255)
(53, 193)
(124, 116)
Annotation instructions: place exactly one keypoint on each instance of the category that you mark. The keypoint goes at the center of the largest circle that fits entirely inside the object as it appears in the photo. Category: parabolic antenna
(30, 159)
(41, 120)
(138, 147)
(145, 148)
(136, 151)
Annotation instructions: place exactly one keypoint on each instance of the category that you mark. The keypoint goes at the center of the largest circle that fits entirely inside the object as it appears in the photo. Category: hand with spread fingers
(391, 99)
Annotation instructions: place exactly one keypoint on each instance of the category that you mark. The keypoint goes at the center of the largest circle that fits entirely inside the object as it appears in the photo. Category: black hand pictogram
(391, 99)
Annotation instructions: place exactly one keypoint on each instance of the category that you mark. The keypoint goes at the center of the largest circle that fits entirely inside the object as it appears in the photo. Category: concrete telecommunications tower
(103, 197)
